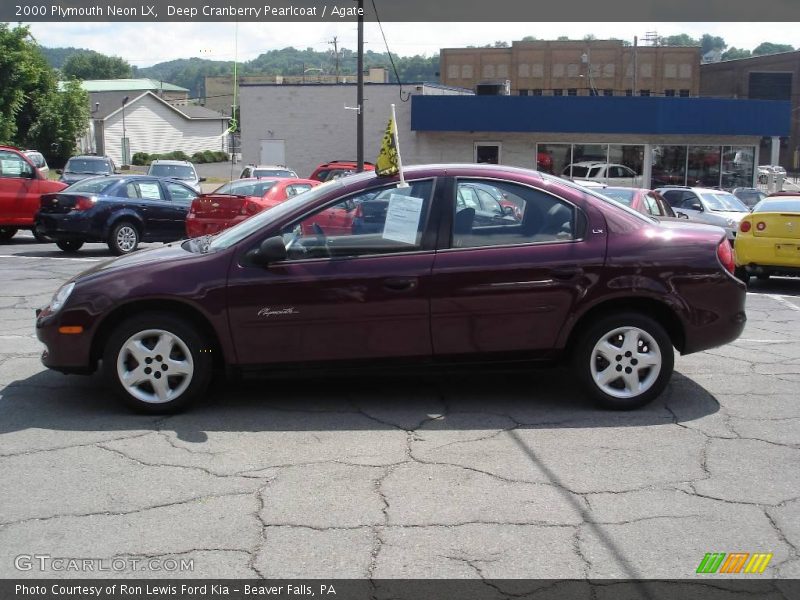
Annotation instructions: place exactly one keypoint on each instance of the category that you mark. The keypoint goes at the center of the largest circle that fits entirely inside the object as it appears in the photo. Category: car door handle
(400, 284)
(566, 272)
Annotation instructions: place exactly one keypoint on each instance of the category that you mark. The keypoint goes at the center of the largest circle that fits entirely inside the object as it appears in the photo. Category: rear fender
(124, 214)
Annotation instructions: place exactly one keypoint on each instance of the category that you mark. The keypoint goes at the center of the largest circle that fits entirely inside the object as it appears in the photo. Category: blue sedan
(121, 210)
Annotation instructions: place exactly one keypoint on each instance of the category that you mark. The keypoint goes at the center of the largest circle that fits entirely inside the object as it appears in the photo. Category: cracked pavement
(510, 475)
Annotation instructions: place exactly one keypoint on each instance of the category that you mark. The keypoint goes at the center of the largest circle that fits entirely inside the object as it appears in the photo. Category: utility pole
(360, 93)
(335, 43)
(635, 66)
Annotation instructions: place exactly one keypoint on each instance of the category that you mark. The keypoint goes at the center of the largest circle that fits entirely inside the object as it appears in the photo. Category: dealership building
(661, 139)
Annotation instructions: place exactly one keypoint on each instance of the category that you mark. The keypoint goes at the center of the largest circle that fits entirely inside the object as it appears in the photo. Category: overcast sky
(144, 44)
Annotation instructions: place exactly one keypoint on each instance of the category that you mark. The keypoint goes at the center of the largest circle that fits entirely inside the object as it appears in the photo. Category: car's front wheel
(624, 360)
(157, 362)
(123, 239)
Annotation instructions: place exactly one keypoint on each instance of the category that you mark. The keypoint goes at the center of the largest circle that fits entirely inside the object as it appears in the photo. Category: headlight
(61, 296)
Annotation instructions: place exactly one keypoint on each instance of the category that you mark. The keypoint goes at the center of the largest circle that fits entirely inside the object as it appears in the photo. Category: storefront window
(552, 158)
(669, 165)
(738, 163)
(703, 168)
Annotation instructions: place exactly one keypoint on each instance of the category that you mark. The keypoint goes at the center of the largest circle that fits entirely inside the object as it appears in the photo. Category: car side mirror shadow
(681, 215)
(269, 251)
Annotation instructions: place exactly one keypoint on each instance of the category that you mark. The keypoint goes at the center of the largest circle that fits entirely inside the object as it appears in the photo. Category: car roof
(284, 167)
(169, 161)
(89, 157)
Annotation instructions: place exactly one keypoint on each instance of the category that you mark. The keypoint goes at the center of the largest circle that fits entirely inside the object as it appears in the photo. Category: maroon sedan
(419, 281)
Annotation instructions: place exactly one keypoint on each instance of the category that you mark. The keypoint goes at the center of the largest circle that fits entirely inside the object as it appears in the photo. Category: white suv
(266, 171)
(609, 173)
(181, 170)
(707, 205)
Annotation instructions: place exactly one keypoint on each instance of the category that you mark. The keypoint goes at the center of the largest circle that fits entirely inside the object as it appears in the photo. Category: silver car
(707, 205)
(182, 170)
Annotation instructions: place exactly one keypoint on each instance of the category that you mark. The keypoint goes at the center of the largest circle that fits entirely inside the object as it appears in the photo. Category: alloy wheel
(155, 366)
(625, 362)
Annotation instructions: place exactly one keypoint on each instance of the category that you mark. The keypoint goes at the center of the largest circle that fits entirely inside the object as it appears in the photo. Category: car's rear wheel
(6, 233)
(741, 274)
(124, 238)
(624, 360)
(157, 362)
(69, 245)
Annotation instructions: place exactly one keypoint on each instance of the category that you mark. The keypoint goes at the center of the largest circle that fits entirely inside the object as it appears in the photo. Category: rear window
(623, 196)
(273, 173)
(93, 185)
(788, 205)
(88, 165)
(175, 171)
(246, 188)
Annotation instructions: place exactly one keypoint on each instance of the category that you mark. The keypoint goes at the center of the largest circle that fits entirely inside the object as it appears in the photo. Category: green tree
(679, 40)
(93, 65)
(529, 38)
(61, 117)
(26, 79)
(734, 53)
(711, 42)
(770, 48)
(33, 112)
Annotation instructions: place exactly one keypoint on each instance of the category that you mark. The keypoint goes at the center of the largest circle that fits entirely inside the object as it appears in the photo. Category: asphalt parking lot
(504, 475)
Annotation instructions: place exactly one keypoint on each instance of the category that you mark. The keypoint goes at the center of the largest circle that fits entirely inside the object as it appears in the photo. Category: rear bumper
(718, 321)
(65, 227)
(755, 253)
(196, 227)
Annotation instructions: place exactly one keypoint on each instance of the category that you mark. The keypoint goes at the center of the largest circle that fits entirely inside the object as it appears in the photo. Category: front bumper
(67, 353)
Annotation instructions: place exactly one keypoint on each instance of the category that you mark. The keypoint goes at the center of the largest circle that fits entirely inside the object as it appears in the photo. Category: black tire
(124, 238)
(70, 246)
(741, 274)
(6, 233)
(190, 352)
(585, 357)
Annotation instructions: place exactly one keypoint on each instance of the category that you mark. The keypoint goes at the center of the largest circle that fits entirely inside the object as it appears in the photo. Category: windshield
(625, 196)
(249, 226)
(87, 165)
(273, 173)
(245, 187)
(92, 185)
(723, 201)
(175, 171)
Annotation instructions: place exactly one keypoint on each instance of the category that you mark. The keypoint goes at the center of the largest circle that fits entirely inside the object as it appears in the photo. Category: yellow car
(768, 242)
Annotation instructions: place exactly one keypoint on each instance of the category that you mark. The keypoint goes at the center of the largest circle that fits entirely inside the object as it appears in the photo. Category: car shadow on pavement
(517, 399)
(785, 286)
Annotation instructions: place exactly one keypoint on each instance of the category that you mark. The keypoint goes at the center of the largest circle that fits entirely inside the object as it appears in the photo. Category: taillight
(725, 255)
(761, 226)
(84, 203)
(745, 226)
(250, 208)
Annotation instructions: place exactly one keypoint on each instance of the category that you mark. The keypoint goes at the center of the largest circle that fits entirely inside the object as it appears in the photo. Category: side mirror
(271, 250)
(59, 171)
(508, 211)
(696, 206)
(202, 179)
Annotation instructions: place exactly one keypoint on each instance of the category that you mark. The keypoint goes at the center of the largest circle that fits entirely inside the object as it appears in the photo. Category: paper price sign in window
(402, 219)
(11, 167)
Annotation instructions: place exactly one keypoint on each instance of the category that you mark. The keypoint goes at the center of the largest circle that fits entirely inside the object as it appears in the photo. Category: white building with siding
(155, 126)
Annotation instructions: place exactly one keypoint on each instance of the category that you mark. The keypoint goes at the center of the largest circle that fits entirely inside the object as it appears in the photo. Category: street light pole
(124, 135)
(360, 93)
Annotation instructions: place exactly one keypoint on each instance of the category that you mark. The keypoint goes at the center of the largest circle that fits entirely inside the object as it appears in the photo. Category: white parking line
(783, 300)
(750, 341)
(50, 258)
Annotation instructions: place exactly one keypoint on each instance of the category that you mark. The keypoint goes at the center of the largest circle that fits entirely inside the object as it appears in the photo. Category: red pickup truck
(21, 188)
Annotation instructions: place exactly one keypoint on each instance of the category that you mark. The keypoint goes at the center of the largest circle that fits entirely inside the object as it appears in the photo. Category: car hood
(157, 256)
(730, 214)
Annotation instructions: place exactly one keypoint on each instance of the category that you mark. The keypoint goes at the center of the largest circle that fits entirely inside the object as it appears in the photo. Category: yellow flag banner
(387, 164)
